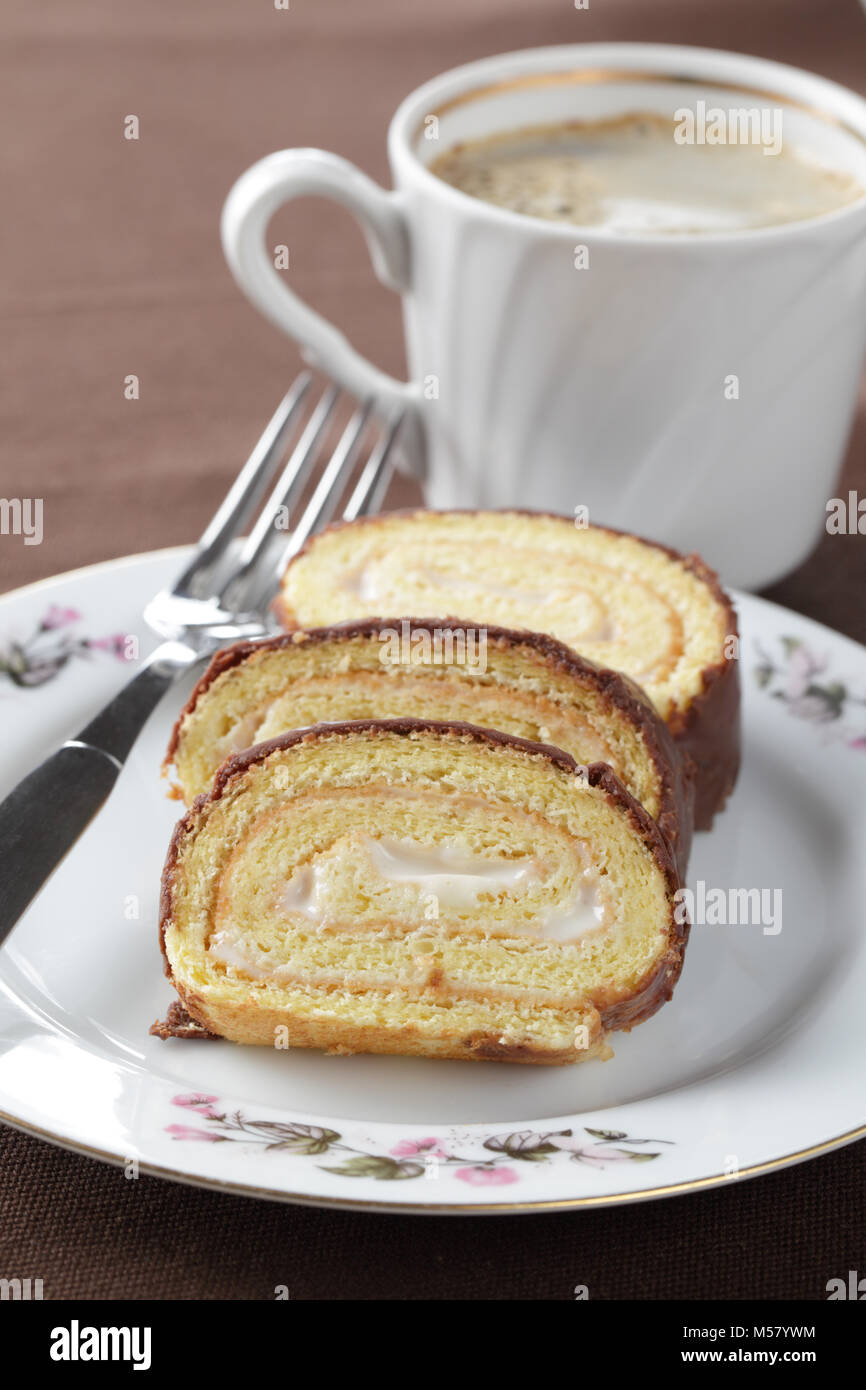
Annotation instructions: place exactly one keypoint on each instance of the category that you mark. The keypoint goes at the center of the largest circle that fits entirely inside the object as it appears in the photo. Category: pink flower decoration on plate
(408, 1148)
(195, 1101)
(486, 1177)
(59, 617)
(802, 666)
(115, 644)
(187, 1132)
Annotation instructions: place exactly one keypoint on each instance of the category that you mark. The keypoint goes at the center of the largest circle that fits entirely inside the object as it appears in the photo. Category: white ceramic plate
(757, 1062)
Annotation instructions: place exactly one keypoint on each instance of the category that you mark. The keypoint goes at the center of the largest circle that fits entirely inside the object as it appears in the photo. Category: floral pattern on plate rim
(32, 661)
(798, 678)
(492, 1164)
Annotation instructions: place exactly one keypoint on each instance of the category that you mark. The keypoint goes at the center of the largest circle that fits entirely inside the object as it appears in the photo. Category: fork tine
(281, 499)
(323, 503)
(373, 482)
(246, 491)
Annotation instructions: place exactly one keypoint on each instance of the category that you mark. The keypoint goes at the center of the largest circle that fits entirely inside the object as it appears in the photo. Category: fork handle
(41, 819)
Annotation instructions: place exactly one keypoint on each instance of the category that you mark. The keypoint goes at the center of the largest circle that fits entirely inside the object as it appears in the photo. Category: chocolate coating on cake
(179, 1023)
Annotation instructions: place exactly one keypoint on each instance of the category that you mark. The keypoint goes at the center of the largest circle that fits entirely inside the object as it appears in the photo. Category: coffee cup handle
(253, 200)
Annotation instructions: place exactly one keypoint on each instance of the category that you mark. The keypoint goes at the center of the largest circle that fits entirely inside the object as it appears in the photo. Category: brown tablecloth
(111, 266)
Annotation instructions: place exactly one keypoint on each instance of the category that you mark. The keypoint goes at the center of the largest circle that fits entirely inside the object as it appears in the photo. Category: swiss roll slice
(420, 887)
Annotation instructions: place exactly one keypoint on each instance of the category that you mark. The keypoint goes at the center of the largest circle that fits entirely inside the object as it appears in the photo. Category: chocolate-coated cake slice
(424, 888)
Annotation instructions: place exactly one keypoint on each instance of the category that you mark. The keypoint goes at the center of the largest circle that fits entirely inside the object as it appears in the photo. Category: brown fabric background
(110, 264)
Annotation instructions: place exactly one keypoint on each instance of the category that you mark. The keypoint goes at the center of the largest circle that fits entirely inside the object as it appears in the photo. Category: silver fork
(216, 599)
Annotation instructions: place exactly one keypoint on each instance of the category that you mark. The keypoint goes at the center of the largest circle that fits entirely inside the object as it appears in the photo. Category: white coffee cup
(698, 389)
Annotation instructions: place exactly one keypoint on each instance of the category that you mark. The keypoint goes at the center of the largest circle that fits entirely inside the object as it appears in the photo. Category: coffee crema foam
(631, 175)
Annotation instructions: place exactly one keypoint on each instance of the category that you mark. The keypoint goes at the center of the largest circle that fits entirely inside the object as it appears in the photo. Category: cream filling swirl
(441, 879)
